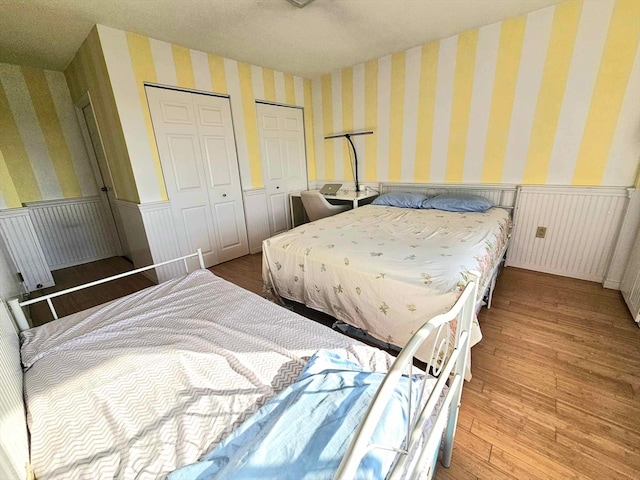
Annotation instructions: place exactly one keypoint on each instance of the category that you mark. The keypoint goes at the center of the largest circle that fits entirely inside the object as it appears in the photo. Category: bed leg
(18, 314)
(491, 288)
(450, 432)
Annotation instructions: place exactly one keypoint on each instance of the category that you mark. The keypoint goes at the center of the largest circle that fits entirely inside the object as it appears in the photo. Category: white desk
(343, 197)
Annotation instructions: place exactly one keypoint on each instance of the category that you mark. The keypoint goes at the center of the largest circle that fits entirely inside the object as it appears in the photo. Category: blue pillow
(458, 203)
(400, 199)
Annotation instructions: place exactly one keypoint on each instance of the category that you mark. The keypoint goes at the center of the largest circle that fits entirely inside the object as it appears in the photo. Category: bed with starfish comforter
(387, 270)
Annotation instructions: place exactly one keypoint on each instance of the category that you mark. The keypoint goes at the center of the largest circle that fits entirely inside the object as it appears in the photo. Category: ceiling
(325, 35)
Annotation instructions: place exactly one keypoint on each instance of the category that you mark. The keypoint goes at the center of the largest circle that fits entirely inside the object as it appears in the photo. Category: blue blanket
(303, 433)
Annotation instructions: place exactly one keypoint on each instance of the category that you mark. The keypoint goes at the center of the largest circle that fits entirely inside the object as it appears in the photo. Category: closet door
(218, 147)
(284, 162)
(196, 144)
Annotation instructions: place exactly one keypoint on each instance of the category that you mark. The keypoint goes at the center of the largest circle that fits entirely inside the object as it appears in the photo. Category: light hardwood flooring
(556, 380)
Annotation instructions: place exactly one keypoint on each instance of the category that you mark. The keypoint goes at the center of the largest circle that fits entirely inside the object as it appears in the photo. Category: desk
(343, 197)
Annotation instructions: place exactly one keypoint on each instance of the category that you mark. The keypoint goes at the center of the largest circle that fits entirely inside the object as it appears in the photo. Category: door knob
(105, 189)
(277, 188)
(224, 194)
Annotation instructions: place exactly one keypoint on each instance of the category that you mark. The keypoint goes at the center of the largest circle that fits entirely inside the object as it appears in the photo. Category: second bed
(386, 270)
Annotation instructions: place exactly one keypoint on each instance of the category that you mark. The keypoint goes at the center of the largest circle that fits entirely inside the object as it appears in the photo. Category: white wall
(10, 286)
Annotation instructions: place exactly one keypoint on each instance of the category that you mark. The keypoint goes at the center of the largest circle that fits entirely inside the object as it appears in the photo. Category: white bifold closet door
(196, 143)
(284, 160)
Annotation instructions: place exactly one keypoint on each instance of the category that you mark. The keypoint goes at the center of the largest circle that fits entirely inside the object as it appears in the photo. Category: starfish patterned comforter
(386, 270)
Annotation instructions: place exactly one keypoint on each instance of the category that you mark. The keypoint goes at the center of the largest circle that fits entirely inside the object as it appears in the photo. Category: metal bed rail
(447, 366)
(16, 305)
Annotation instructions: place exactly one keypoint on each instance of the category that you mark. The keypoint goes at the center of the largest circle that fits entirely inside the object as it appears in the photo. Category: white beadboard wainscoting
(630, 285)
(626, 238)
(257, 218)
(74, 231)
(20, 237)
(162, 240)
(582, 229)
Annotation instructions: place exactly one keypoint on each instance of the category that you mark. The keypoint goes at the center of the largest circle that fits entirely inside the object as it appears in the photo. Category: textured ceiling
(325, 35)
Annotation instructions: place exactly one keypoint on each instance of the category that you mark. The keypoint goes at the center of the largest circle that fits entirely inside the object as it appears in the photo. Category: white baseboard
(611, 284)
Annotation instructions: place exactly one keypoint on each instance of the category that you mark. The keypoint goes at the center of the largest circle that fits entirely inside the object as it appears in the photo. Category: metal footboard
(16, 305)
(448, 365)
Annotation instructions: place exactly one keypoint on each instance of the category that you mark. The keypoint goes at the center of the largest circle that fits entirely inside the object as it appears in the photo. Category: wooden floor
(556, 381)
(83, 299)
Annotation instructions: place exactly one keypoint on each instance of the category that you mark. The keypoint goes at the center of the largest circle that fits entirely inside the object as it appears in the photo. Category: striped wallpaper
(552, 97)
(132, 59)
(42, 153)
(87, 72)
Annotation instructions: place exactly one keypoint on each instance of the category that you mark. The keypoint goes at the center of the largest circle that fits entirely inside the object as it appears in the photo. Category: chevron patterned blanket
(151, 382)
(304, 431)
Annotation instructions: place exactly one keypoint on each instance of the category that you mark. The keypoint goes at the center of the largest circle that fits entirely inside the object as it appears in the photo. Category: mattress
(386, 270)
(153, 381)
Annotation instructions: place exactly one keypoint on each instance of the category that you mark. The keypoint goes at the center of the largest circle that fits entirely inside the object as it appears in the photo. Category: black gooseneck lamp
(353, 147)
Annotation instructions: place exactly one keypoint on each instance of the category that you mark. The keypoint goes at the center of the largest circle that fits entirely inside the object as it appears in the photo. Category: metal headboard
(503, 196)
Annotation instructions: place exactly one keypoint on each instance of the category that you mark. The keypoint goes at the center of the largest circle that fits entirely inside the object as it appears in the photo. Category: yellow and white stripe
(337, 144)
(618, 168)
(442, 108)
(410, 112)
(9, 197)
(504, 85)
(133, 59)
(484, 73)
(87, 73)
(534, 50)
(318, 129)
(587, 53)
(546, 98)
(383, 126)
(44, 157)
(306, 97)
(358, 125)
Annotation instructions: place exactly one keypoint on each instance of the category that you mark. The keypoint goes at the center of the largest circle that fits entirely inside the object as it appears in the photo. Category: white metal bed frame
(451, 369)
(22, 321)
(446, 364)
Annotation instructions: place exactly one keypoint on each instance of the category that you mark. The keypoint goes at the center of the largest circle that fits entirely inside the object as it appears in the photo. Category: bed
(386, 270)
(147, 385)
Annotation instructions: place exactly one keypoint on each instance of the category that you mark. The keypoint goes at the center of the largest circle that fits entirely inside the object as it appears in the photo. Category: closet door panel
(176, 131)
(196, 142)
(197, 226)
(220, 158)
(284, 163)
(231, 236)
(279, 204)
(216, 155)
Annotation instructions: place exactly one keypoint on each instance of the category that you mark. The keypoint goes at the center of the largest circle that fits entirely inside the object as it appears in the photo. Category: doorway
(101, 172)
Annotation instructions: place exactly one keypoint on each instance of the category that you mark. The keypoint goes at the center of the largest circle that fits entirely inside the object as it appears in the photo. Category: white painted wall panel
(74, 231)
(582, 229)
(255, 205)
(20, 237)
(161, 236)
